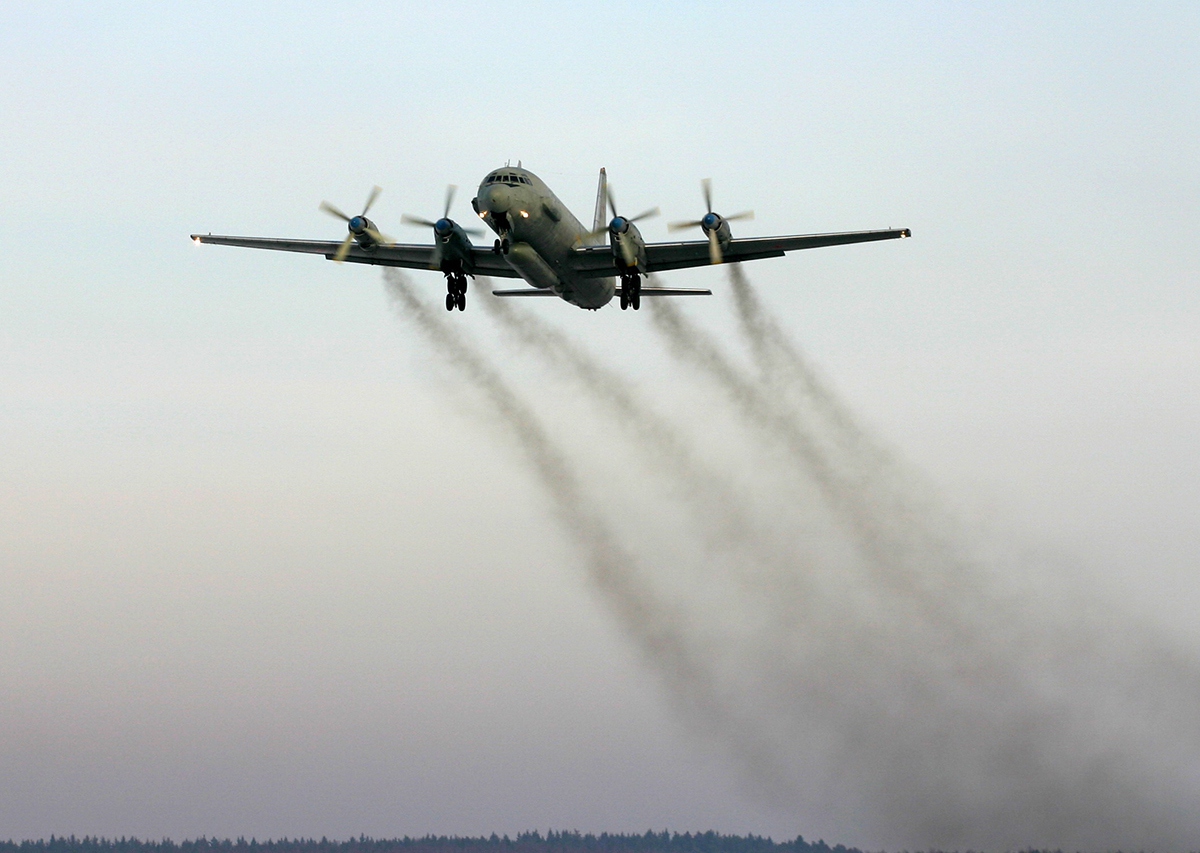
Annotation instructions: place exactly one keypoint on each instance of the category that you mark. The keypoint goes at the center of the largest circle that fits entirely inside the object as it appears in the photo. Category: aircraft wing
(407, 255)
(597, 261)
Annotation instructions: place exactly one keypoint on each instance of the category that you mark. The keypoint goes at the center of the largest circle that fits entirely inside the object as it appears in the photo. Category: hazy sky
(261, 575)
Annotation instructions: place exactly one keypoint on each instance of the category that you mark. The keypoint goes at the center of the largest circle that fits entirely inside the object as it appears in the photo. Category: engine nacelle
(362, 229)
(628, 247)
(714, 223)
(454, 250)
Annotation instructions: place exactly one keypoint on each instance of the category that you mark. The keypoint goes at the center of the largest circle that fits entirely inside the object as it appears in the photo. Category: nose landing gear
(456, 291)
(631, 291)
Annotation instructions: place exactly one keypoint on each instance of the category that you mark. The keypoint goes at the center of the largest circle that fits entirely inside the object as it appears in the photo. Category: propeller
(444, 225)
(620, 224)
(711, 222)
(357, 225)
(443, 228)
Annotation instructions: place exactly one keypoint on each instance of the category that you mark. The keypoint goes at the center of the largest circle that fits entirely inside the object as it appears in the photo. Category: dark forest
(526, 842)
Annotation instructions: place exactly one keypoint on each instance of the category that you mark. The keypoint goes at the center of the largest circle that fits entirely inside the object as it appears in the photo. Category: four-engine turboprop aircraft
(540, 241)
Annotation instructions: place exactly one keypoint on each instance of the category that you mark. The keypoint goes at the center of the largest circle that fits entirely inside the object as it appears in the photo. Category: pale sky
(260, 574)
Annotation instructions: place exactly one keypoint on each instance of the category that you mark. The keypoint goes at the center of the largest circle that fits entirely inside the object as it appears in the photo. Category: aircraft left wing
(597, 261)
(408, 255)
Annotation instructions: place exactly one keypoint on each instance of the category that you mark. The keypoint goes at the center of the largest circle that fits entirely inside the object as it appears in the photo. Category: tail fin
(601, 217)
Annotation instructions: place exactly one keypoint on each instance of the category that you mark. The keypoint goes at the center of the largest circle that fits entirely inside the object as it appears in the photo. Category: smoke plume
(660, 443)
(659, 629)
(883, 676)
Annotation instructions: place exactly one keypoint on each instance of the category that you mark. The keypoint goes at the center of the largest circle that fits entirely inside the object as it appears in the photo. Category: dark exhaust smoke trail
(785, 367)
(744, 558)
(898, 515)
(610, 568)
(791, 632)
(899, 522)
(908, 701)
(660, 631)
(1035, 728)
(721, 511)
(761, 408)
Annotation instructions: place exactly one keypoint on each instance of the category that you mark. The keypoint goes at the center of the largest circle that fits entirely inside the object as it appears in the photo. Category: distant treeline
(525, 842)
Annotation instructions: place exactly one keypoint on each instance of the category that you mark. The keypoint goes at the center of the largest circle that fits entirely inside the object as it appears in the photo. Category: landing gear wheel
(496, 246)
(450, 301)
(504, 246)
(631, 290)
(461, 300)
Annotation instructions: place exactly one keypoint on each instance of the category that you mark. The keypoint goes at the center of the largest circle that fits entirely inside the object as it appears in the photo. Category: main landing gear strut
(631, 291)
(456, 291)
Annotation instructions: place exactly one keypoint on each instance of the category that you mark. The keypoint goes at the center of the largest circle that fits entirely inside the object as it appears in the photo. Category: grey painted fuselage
(541, 234)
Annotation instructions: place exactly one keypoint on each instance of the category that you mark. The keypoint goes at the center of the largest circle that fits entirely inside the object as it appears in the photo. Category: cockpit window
(511, 180)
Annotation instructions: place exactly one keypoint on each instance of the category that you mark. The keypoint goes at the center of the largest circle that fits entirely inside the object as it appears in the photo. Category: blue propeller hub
(710, 221)
(443, 227)
(357, 224)
(619, 225)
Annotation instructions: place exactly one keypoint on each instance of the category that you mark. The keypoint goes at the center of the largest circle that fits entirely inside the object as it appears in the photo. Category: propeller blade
(679, 226)
(627, 253)
(435, 263)
(589, 236)
(425, 223)
(371, 200)
(745, 214)
(714, 248)
(706, 187)
(646, 214)
(344, 249)
(379, 237)
(450, 191)
(612, 205)
(333, 211)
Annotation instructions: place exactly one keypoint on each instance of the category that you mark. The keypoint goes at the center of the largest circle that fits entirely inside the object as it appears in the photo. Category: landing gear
(500, 247)
(631, 291)
(456, 291)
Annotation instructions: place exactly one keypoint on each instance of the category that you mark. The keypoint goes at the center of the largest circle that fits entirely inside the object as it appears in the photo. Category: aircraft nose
(497, 198)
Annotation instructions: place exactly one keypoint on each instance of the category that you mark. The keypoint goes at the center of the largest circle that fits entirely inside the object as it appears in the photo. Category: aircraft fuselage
(537, 234)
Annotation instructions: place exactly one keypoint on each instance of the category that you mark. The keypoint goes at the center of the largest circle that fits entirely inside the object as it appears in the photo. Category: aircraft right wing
(597, 261)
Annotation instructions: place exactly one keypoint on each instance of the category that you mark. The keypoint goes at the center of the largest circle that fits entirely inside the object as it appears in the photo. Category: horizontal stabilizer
(525, 291)
(675, 291)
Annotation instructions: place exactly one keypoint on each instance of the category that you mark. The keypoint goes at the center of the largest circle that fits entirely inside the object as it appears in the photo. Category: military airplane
(539, 240)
